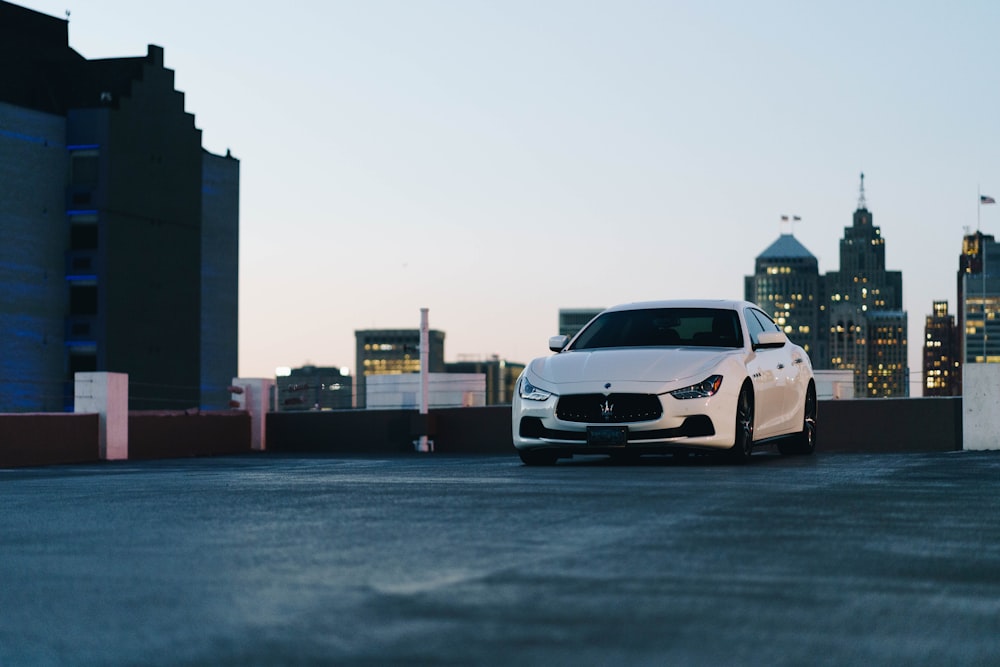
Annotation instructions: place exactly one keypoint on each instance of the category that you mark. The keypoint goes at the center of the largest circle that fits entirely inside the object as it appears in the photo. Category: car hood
(664, 366)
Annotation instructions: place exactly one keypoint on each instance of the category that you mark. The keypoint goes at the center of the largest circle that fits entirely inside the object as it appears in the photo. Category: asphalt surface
(279, 560)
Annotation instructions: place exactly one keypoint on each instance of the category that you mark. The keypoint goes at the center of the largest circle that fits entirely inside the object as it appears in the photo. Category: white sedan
(667, 377)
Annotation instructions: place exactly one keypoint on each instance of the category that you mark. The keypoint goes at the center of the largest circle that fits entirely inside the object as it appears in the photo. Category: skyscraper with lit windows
(787, 285)
(979, 299)
(866, 323)
(942, 356)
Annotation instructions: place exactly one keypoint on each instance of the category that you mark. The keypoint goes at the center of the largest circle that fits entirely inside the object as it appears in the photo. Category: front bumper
(692, 424)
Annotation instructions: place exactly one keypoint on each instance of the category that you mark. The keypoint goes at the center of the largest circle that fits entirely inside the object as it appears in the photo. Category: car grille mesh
(610, 409)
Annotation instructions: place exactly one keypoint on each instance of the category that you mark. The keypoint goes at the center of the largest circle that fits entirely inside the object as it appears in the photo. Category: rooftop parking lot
(434, 559)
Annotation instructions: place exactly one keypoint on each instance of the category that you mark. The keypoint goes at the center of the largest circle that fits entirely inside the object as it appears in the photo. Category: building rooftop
(786, 247)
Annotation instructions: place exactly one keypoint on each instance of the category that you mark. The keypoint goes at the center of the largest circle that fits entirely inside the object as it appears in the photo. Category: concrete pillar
(980, 396)
(255, 399)
(107, 395)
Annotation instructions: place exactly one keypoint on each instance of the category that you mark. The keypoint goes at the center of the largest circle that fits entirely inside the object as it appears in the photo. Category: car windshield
(662, 327)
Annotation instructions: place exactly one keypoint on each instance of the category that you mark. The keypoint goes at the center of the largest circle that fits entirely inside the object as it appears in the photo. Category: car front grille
(610, 409)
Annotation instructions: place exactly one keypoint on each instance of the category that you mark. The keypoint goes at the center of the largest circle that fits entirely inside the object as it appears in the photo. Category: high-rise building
(392, 351)
(865, 320)
(120, 232)
(942, 355)
(979, 299)
(787, 285)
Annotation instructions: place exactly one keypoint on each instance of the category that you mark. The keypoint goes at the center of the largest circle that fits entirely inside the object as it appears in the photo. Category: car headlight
(530, 392)
(707, 387)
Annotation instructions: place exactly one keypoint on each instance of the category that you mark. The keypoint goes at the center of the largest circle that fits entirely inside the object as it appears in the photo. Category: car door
(786, 362)
(764, 366)
(797, 372)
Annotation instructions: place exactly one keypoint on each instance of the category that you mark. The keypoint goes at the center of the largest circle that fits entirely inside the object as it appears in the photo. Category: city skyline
(496, 164)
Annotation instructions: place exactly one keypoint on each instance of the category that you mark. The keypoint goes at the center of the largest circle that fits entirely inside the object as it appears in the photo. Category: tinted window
(662, 327)
(754, 327)
(766, 322)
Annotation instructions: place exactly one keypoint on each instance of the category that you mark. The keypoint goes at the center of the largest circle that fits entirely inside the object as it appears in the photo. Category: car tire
(743, 442)
(805, 441)
(537, 457)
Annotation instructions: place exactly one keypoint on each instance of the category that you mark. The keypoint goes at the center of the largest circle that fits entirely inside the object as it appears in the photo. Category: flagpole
(982, 260)
(982, 263)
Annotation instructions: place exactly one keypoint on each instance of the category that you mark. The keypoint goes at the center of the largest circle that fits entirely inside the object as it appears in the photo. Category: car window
(765, 321)
(662, 327)
(754, 327)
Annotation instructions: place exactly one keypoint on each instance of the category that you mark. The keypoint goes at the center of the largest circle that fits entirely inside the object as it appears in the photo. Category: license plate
(607, 436)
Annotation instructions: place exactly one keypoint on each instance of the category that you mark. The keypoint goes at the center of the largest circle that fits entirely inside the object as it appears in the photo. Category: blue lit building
(120, 232)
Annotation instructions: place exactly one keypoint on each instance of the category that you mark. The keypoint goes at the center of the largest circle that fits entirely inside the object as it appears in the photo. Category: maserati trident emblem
(606, 409)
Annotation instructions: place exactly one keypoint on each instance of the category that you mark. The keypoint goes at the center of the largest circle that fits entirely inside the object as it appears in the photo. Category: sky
(497, 161)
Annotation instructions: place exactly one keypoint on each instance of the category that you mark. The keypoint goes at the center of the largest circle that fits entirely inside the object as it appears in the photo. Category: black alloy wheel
(805, 441)
(743, 445)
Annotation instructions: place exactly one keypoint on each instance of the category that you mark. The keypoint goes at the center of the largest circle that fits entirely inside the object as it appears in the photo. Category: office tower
(979, 299)
(120, 231)
(864, 311)
(942, 361)
(786, 284)
(391, 351)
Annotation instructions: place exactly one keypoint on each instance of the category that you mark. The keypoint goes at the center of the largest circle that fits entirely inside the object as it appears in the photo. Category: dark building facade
(942, 353)
(124, 251)
(391, 351)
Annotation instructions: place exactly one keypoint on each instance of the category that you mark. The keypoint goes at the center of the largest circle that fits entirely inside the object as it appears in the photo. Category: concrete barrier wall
(160, 435)
(36, 439)
(868, 426)
(981, 384)
(891, 425)
(343, 431)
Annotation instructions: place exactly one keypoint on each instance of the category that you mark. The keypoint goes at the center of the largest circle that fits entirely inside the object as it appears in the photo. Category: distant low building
(501, 376)
(391, 352)
(571, 320)
(445, 390)
(314, 388)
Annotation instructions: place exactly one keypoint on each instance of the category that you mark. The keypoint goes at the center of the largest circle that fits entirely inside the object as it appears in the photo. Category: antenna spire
(862, 205)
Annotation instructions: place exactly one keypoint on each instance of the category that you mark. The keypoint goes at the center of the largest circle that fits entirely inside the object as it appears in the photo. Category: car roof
(722, 304)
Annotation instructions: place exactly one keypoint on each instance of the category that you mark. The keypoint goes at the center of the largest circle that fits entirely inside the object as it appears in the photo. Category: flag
(983, 199)
(796, 218)
(784, 218)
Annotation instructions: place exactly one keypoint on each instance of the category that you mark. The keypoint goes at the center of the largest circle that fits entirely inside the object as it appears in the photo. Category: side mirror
(558, 343)
(771, 339)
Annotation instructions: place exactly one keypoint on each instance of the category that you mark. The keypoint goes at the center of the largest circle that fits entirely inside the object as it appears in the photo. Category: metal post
(424, 444)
